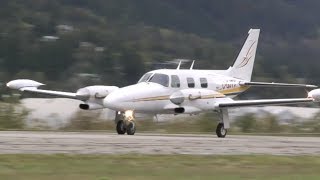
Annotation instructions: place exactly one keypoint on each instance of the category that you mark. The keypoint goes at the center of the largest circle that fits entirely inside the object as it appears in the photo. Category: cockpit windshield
(162, 79)
(145, 77)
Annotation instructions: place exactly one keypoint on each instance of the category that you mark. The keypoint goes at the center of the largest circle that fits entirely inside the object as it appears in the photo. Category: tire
(121, 128)
(131, 128)
(221, 131)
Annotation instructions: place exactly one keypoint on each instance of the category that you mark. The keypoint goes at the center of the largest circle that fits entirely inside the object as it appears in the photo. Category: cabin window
(204, 82)
(175, 81)
(162, 79)
(190, 82)
(145, 77)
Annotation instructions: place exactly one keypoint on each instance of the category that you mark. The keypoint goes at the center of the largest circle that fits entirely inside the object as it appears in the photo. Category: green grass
(105, 167)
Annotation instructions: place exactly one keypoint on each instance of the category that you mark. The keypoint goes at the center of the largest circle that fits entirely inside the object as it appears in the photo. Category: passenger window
(175, 81)
(204, 82)
(190, 82)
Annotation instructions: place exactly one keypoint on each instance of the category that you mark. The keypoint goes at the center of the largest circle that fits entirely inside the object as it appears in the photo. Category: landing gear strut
(125, 124)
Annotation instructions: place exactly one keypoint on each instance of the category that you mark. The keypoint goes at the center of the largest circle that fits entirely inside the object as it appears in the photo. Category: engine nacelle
(315, 95)
(95, 92)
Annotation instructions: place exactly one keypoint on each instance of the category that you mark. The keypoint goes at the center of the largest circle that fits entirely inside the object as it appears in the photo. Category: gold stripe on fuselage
(221, 94)
(237, 90)
(153, 98)
(157, 98)
(212, 96)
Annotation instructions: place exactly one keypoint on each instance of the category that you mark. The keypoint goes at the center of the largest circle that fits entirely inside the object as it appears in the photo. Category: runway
(25, 142)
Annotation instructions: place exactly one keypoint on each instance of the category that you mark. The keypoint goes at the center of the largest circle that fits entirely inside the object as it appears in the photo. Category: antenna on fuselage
(179, 65)
(191, 67)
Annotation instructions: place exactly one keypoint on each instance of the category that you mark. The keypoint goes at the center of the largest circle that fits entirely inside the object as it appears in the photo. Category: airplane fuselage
(168, 91)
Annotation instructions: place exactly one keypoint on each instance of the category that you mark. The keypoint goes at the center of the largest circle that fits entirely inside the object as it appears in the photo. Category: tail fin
(243, 65)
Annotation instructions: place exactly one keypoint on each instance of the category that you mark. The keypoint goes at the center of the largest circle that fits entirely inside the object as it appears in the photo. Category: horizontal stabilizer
(264, 84)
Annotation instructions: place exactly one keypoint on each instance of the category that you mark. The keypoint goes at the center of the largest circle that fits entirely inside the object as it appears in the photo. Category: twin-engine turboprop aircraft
(177, 91)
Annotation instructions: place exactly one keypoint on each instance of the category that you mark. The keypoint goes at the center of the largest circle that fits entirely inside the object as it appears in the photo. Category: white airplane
(177, 91)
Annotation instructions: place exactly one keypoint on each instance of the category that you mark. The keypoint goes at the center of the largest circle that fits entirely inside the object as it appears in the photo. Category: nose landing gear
(131, 128)
(125, 123)
(121, 128)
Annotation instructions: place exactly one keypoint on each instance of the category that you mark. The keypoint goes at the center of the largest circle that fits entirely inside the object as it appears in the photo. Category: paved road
(107, 143)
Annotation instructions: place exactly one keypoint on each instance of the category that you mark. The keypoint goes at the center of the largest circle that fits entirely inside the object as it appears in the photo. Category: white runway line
(21, 142)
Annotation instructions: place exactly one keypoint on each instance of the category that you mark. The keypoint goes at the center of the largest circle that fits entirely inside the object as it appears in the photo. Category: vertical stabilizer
(243, 65)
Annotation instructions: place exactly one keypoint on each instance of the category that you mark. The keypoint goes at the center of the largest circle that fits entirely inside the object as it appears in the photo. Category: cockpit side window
(190, 82)
(162, 79)
(175, 81)
(145, 77)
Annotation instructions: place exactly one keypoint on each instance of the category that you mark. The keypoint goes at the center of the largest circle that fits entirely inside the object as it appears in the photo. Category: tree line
(72, 43)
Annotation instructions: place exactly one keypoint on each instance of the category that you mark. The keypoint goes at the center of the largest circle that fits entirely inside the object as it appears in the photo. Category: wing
(49, 92)
(27, 85)
(264, 84)
(245, 103)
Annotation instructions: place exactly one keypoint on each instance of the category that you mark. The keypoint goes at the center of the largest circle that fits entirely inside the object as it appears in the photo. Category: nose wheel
(221, 131)
(131, 128)
(125, 122)
(121, 128)
(126, 127)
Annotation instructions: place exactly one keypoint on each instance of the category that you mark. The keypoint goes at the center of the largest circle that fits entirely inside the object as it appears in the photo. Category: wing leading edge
(264, 84)
(246, 103)
(51, 93)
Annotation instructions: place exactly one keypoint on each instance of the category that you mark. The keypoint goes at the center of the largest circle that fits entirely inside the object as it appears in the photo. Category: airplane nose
(114, 101)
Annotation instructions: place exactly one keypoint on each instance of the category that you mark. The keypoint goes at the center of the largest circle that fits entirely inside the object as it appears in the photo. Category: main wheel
(131, 128)
(121, 128)
(221, 131)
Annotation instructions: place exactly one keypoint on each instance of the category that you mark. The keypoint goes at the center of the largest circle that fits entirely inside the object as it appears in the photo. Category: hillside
(80, 42)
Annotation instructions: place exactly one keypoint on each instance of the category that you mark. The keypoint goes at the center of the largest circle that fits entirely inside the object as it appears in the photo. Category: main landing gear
(125, 123)
(221, 131)
(224, 124)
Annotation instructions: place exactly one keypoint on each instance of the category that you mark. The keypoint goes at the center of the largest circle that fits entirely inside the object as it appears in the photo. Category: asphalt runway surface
(25, 142)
